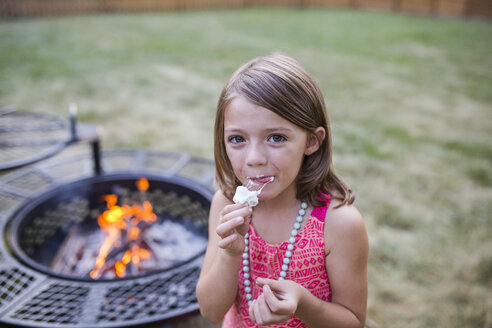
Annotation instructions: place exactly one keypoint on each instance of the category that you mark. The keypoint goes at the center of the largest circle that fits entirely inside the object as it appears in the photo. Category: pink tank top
(307, 268)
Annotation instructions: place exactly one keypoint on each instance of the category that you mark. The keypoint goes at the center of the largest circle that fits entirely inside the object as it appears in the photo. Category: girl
(298, 258)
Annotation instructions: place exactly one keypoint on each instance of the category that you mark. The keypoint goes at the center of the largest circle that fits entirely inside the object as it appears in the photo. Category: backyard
(410, 104)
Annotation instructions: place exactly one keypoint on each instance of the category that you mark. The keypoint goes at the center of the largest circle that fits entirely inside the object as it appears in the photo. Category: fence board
(452, 7)
(416, 6)
(18, 8)
(331, 3)
(385, 5)
(480, 8)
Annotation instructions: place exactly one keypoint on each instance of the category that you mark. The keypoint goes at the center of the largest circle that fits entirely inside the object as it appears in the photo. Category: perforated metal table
(32, 298)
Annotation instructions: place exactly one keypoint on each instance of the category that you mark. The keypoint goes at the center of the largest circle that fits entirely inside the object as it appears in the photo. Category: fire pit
(53, 214)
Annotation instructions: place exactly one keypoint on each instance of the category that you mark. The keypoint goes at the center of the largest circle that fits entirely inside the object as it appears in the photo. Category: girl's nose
(256, 155)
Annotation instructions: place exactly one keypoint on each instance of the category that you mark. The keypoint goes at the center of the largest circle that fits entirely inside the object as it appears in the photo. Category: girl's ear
(315, 140)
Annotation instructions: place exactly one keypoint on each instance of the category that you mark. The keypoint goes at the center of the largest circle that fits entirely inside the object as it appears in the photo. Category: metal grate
(139, 301)
(44, 227)
(27, 137)
(35, 298)
(12, 282)
(8, 201)
(156, 162)
(57, 304)
(30, 182)
(200, 170)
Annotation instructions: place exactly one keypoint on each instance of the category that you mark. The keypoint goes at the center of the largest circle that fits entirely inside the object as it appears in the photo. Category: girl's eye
(235, 139)
(276, 138)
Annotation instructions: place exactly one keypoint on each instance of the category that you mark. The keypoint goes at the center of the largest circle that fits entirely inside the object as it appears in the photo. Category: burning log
(124, 224)
(130, 241)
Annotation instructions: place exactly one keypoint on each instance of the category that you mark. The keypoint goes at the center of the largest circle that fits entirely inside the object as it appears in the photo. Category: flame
(142, 184)
(123, 225)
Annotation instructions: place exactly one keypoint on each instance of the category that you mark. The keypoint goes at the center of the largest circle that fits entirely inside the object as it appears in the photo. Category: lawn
(410, 103)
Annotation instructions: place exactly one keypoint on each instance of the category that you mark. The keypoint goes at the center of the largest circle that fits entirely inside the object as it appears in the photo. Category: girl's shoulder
(343, 223)
(343, 214)
(219, 200)
(219, 196)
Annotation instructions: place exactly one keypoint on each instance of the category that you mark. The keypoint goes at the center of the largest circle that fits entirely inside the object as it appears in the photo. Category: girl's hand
(233, 225)
(278, 302)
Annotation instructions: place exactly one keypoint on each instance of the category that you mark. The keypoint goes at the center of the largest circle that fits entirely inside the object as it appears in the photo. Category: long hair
(280, 84)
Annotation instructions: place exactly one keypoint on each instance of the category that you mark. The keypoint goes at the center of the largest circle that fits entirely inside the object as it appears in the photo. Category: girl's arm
(347, 248)
(346, 262)
(217, 286)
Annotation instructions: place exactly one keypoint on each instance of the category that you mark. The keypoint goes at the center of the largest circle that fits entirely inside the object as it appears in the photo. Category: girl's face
(261, 144)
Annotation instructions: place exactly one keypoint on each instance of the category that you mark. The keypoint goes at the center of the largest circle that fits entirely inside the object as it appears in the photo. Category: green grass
(410, 100)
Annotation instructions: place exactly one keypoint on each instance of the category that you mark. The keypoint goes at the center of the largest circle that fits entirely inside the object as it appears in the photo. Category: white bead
(246, 276)
(297, 225)
(250, 302)
(246, 236)
(249, 296)
(286, 260)
(293, 232)
(281, 278)
(290, 247)
(288, 254)
(245, 262)
(246, 241)
(283, 274)
(299, 218)
(245, 255)
(246, 269)
(247, 282)
(292, 240)
(304, 205)
(285, 267)
(302, 211)
(247, 289)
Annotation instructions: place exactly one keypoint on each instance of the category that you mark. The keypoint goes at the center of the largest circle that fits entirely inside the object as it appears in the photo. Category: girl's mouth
(261, 180)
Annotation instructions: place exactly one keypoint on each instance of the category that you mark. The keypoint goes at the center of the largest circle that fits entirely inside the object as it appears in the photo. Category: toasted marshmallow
(245, 196)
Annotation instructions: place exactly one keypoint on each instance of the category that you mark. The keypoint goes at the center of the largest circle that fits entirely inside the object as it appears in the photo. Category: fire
(122, 226)
(142, 184)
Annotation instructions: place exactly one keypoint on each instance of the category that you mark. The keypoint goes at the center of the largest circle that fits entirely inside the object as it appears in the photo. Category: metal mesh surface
(142, 301)
(31, 181)
(27, 137)
(34, 298)
(8, 201)
(57, 304)
(45, 226)
(12, 282)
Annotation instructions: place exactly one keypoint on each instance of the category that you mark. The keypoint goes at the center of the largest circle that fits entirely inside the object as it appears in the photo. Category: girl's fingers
(235, 217)
(223, 243)
(243, 227)
(228, 209)
(271, 300)
(251, 311)
(277, 287)
(225, 229)
(257, 311)
(263, 315)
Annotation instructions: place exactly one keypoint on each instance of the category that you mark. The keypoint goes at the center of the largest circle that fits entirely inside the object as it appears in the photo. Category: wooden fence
(453, 8)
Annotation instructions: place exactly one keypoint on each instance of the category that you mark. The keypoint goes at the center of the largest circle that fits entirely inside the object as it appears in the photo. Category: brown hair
(280, 84)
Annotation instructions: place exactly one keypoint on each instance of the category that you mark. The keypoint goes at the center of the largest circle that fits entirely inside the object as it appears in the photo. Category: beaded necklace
(286, 261)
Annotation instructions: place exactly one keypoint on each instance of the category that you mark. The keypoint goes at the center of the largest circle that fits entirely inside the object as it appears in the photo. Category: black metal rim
(16, 224)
